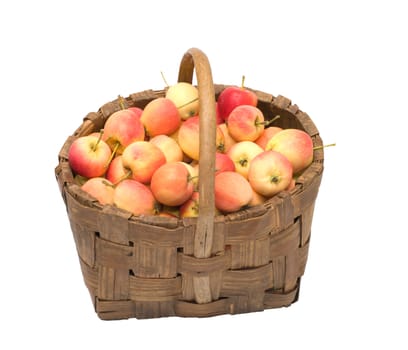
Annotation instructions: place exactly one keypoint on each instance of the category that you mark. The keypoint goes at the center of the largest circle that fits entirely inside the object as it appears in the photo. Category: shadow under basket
(152, 266)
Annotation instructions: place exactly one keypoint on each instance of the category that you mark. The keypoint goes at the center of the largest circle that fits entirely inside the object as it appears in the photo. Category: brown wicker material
(147, 267)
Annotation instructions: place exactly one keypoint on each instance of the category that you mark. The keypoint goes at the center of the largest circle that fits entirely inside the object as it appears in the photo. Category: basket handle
(195, 58)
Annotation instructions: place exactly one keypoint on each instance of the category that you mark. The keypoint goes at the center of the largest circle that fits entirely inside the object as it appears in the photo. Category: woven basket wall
(147, 267)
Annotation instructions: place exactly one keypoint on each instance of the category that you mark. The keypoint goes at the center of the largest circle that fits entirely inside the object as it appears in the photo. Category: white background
(342, 62)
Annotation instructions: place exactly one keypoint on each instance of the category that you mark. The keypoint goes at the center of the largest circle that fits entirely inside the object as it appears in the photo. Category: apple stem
(242, 82)
(124, 177)
(164, 79)
(121, 102)
(324, 146)
(187, 103)
(107, 183)
(117, 144)
(97, 142)
(268, 122)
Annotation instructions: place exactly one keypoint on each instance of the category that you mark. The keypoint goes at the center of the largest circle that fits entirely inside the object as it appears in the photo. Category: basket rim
(67, 185)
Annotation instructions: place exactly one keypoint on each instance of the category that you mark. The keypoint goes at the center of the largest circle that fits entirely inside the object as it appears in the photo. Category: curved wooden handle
(195, 58)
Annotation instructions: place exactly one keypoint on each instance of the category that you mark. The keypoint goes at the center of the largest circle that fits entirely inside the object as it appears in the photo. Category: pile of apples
(146, 160)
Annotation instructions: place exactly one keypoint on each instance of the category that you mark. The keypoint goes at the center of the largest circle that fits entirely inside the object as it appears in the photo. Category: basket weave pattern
(147, 267)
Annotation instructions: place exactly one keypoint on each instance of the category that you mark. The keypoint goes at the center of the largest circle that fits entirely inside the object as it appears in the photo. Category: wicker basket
(147, 267)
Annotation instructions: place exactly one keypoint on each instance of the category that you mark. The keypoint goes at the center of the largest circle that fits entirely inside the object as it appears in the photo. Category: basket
(150, 266)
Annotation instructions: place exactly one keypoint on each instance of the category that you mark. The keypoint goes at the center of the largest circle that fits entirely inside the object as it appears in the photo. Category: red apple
(121, 129)
(136, 110)
(232, 191)
(296, 145)
(266, 135)
(242, 154)
(269, 173)
(116, 171)
(232, 97)
(218, 119)
(246, 123)
(189, 135)
(171, 184)
(89, 156)
(223, 163)
(135, 197)
(185, 97)
(169, 147)
(160, 117)
(142, 158)
(99, 188)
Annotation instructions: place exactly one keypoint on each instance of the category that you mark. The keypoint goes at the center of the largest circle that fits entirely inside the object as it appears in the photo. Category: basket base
(233, 305)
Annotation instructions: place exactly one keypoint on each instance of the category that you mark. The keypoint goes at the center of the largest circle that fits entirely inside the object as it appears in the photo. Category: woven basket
(147, 267)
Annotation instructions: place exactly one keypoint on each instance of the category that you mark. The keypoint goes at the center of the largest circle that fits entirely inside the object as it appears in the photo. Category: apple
(233, 96)
(257, 199)
(99, 188)
(135, 197)
(169, 147)
(223, 163)
(160, 116)
(142, 158)
(136, 110)
(267, 135)
(116, 171)
(242, 153)
(192, 169)
(292, 185)
(171, 184)
(228, 140)
(185, 97)
(232, 191)
(190, 208)
(296, 145)
(121, 129)
(189, 134)
(166, 214)
(89, 156)
(269, 173)
(246, 123)
(218, 119)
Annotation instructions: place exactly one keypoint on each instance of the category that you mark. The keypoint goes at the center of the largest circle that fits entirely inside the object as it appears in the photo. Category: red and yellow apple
(232, 191)
(89, 156)
(185, 97)
(169, 147)
(242, 153)
(116, 171)
(269, 173)
(228, 140)
(99, 188)
(246, 123)
(189, 135)
(296, 145)
(266, 135)
(121, 129)
(171, 184)
(190, 208)
(142, 158)
(135, 197)
(160, 116)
